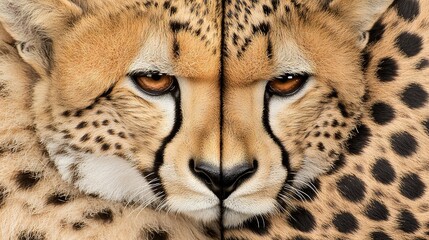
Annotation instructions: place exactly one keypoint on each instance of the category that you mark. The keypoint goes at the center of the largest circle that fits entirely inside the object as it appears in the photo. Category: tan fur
(79, 216)
(309, 211)
(76, 51)
(321, 128)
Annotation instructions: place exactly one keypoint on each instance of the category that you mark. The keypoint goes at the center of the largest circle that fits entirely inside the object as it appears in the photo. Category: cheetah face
(286, 117)
(128, 100)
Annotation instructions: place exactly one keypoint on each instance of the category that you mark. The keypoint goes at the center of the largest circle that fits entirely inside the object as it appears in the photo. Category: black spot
(407, 222)
(365, 60)
(338, 164)
(333, 94)
(414, 96)
(351, 188)
(78, 113)
(407, 9)
(157, 235)
(382, 113)
(111, 131)
(269, 49)
(426, 126)
(376, 32)
(99, 139)
(262, 28)
(387, 69)
(66, 113)
(176, 26)
(359, 140)
(257, 225)
(58, 198)
(345, 222)
(105, 146)
(67, 136)
(376, 211)
(335, 123)
(95, 124)
(403, 143)
(31, 235)
(410, 44)
(85, 137)
(366, 96)
(78, 226)
(166, 4)
(267, 10)
(3, 195)
(275, 4)
(343, 110)
(412, 186)
(338, 135)
(380, 236)
(122, 135)
(321, 147)
(301, 219)
(173, 10)
(309, 193)
(105, 122)
(105, 215)
(383, 171)
(27, 179)
(118, 146)
(176, 48)
(424, 63)
(81, 125)
(209, 232)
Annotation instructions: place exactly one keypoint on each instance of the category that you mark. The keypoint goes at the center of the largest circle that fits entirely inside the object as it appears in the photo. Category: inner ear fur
(34, 25)
(360, 15)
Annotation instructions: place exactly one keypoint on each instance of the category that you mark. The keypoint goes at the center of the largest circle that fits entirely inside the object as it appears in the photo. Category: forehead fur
(100, 48)
(271, 38)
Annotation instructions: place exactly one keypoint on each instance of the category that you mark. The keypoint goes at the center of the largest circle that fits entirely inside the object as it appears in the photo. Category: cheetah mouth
(232, 218)
(206, 215)
(236, 217)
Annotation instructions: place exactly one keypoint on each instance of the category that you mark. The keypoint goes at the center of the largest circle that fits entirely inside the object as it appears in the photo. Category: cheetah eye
(287, 84)
(154, 83)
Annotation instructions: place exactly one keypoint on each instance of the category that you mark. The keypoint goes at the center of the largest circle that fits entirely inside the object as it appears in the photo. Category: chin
(201, 208)
(238, 210)
(232, 218)
(205, 215)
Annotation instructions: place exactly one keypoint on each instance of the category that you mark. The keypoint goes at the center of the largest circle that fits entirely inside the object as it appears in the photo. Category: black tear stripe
(285, 154)
(153, 176)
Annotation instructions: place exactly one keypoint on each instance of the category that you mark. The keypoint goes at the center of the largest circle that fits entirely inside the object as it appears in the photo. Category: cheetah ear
(34, 25)
(361, 14)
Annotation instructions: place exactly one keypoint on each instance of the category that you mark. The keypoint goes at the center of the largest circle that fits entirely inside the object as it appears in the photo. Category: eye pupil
(156, 76)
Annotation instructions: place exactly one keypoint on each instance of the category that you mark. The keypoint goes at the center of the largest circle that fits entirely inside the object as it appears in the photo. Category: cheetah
(307, 146)
(327, 114)
(104, 105)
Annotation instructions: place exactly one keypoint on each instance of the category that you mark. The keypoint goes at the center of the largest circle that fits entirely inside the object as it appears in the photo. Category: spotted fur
(343, 158)
(107, 160)
(362, 133)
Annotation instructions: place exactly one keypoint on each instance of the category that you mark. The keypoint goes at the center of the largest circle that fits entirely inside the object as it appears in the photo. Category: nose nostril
(234, 177)
(231, 179)
(208, 174)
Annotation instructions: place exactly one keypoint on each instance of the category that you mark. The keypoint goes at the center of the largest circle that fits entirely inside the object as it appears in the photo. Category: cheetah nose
(235, 176)
(230, 181)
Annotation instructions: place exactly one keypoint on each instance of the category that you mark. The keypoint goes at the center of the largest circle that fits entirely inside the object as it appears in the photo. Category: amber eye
(154, 83)
(287, 84)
